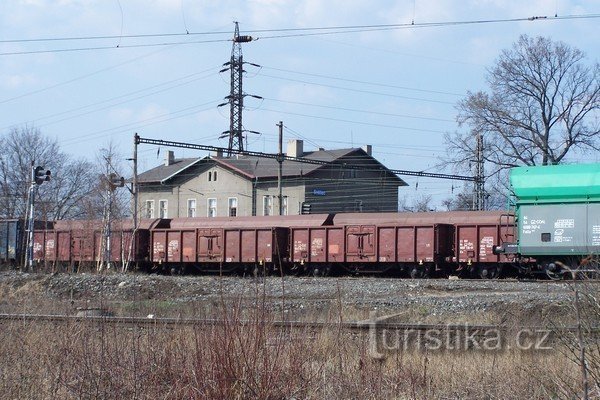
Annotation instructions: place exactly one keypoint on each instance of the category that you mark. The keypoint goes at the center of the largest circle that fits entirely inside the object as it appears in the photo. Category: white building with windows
(242, 186)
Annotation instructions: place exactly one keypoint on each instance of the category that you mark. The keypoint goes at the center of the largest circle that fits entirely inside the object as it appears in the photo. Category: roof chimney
(169, 158)
(295, 148)
(368, 149)
(217, 153)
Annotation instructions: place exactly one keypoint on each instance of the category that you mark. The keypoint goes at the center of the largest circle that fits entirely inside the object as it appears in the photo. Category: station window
(267, 205)
(212, 208)
(284, 205)
(149, 208)
(163, 208)
(233, 205)
(191, 208)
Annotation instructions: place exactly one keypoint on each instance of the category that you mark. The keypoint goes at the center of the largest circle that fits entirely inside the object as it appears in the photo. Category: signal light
(115, 181)
(40, 176)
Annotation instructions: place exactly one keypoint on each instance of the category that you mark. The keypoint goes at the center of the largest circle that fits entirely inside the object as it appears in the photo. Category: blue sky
(393, 89)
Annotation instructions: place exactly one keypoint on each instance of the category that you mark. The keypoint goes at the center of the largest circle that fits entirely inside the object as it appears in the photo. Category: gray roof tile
(257, 167)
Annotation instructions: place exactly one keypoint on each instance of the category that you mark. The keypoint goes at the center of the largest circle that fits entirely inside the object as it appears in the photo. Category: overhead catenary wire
(169, 86)
(407, 128)
(387, 85)
(358, 111)
(360, 90)
(307, 29)
(167, 143)
(84, 76)
(287, 33)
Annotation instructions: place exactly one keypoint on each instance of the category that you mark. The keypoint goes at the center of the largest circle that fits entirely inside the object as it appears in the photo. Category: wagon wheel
(489, 272)
(417, 272)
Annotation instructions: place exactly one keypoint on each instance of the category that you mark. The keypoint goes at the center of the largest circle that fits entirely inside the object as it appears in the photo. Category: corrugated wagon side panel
(264, 246)
(299, 244)
(39, 245)
(466, 238)
(425, 240)
(159, 246)
(387, 244)
(335, 244)
(406, 244)
(248, 238)
(488, 237)
(174, 246)
(188, 246)
(64, 246)
(318, 240)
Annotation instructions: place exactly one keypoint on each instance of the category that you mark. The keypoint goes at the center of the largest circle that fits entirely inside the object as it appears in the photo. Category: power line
(359, 111)
(129, 46)
(355, 122)
(124, 96)
(358, 90)
(315, 31)
(342, 28)
(136, 125)
(412, 25)
(363, 82)
(110, 37)
(81, 76)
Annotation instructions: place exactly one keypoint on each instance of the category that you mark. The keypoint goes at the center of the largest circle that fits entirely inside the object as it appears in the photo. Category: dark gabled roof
(163, 172)
(258, 167)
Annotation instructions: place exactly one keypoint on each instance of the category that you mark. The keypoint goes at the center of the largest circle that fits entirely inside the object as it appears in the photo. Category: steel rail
(377, 324)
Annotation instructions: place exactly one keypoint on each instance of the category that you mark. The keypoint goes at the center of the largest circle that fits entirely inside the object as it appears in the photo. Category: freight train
(418, 244)
(554, 226)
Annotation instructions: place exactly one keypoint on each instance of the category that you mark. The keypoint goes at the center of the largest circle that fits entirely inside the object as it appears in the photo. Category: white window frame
(229, 206)
(166, 208)
(284, 205)
(267, 202)
(149, 209)
(208, 208)
(191, 211)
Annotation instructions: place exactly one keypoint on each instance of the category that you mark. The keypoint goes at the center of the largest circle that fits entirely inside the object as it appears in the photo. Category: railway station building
(345, 180)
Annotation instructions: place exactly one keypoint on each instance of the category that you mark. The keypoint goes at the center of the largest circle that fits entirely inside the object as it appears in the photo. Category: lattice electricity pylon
(236, 93)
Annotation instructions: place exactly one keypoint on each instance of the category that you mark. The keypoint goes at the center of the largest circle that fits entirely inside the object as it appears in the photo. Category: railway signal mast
(38, 176)
(236, 94)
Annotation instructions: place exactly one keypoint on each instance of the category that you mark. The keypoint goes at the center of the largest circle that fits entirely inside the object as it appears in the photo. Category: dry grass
(234, 361)
(94, 360)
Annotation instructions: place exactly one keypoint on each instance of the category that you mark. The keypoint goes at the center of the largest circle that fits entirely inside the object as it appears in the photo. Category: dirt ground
(439, 300)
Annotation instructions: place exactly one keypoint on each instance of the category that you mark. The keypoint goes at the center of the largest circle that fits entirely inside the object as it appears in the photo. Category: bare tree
(463, 199)
(543, 104)
(420, 203)
(61, 197)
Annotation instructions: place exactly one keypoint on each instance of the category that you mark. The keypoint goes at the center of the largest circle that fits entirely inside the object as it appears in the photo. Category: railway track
(381, 323)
